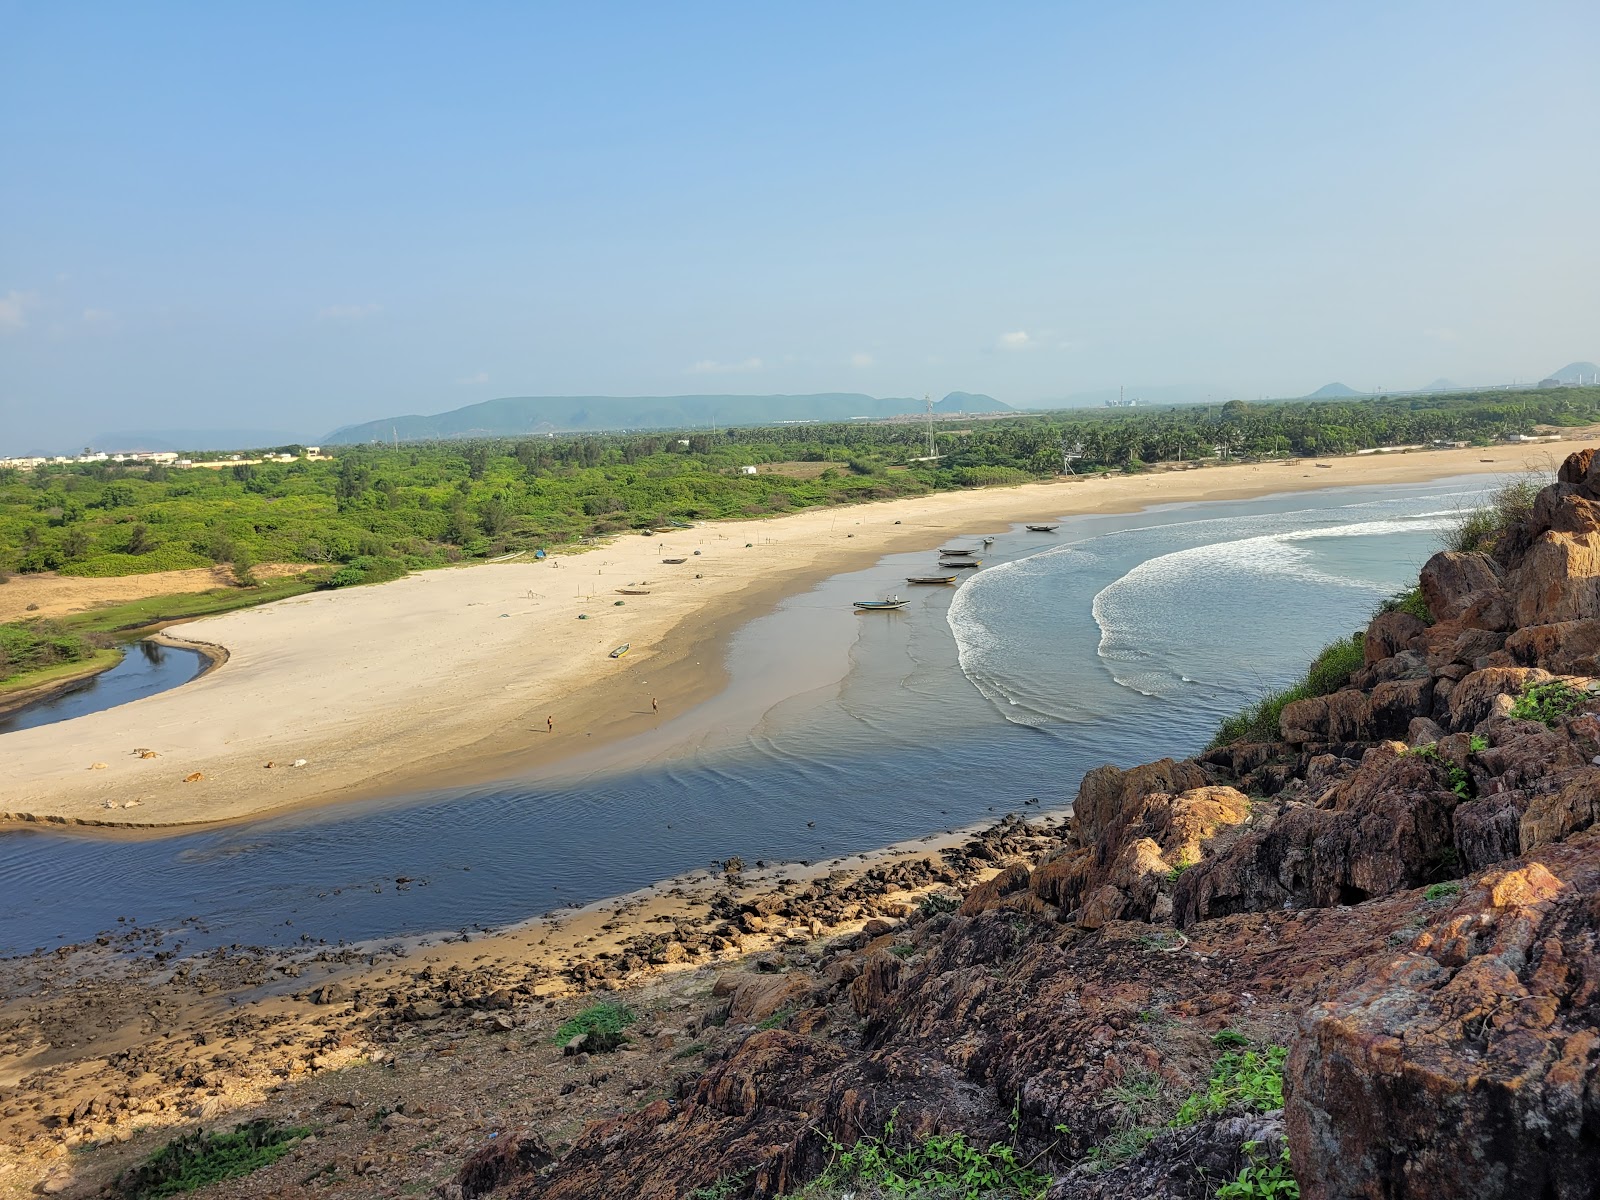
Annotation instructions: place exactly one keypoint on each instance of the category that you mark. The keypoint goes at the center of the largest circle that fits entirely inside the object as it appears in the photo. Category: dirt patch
(52, 595)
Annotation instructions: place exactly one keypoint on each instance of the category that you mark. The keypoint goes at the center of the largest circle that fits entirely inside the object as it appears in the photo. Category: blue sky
(292, 216)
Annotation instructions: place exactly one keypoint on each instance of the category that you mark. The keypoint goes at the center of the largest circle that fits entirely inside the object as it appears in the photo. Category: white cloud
(707, 366)
(475, 377)
(1016, 340)
(861, 359)
(14, 308)
(348, 312)
(1442, 334)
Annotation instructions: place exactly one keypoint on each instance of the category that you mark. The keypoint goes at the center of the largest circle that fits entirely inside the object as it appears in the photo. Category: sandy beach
(475, 673)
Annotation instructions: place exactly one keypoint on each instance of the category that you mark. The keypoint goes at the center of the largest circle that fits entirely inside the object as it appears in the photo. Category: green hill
(513, 416)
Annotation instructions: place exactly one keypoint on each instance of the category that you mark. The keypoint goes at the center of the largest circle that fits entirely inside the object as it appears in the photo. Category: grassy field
(163, 610)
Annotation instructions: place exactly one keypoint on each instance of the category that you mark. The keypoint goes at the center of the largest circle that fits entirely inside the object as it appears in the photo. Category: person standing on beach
(654, 707)
(550, 724)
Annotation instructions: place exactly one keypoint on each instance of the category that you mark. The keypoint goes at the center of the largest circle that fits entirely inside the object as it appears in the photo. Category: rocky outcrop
(1467, 1065)
(1404, 889)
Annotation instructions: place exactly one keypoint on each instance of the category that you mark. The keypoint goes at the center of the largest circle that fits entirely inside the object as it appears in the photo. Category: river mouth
(148, 667)
(838, 733)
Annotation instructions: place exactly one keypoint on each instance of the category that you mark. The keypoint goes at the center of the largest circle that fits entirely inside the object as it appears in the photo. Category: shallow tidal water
(1118, 638)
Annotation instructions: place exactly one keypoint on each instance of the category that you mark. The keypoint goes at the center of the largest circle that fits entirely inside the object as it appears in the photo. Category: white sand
(378, 687)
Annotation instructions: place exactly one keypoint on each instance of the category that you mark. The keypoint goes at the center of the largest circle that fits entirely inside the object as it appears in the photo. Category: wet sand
(455, 677)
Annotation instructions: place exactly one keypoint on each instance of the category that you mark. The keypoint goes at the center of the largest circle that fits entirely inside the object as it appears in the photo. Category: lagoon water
(1116, 639)
(146, 668)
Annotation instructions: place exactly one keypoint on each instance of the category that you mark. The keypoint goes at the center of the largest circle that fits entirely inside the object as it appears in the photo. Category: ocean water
(1116, 639)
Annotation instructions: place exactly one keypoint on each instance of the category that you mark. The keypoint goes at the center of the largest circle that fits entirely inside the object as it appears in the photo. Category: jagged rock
(880, 976)
(1472, 699)
(1467, 1066)
(992, 891)
(760, 996)
(1342, 717)
(1180, 1164)
(1386, 829)
(1558, 579)
(1106, 791)
(1564, 648)
(1389, 634)
(1394, 705)
(1423, 731)
(1451, 582)
(498, 1163)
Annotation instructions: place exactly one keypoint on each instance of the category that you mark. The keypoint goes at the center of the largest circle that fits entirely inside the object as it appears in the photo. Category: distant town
(164, 458)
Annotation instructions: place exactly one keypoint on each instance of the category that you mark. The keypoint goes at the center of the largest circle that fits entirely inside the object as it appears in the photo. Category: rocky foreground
(1403, 889)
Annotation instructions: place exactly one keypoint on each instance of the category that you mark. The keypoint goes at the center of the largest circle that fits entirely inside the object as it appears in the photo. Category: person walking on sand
(654, 707)
(550, 724)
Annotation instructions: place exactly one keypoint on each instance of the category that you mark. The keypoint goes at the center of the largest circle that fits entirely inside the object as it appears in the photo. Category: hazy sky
(298, 215)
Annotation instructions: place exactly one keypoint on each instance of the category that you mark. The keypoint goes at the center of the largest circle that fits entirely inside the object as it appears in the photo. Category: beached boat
(958, 553)
(988, 541)
(957, 564)
(881, 605)
(674, 561)
(1041, 528)
(930, 578)
(633, 591)
(621, 650)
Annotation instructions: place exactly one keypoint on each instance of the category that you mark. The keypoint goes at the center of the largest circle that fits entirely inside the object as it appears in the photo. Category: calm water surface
(146, 668)
(1116, 639)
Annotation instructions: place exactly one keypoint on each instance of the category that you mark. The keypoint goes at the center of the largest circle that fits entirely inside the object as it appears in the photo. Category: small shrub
(941, 1167)
(606, 1019)
(1260, 1179)
(1411, 603)
(937, 904)
(1480, 528)
(1177, 872)
(776, 1019)
(197, 1159)
(1248, 1079)
(1228, 1038)
(1329, 671)
(1548, 702)
(1439, 891)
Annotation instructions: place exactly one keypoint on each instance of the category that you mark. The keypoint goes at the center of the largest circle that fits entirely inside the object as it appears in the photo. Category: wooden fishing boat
(958, 564)
(633, 591)
(930, 578)
(1041, 528)
(881, 605)
(621, 650)
(988, 541)
(956, 552)
(674, 561)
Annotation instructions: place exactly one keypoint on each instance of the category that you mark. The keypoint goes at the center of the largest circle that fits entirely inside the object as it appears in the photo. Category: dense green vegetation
(376, 510)
(197, 1159)
(1478, 529)
(28, 646)
(1549, 702)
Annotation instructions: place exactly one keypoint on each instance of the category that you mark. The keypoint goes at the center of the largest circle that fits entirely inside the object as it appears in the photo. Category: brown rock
(1342, 717)
(760, 996)
(1482, 1037)
(1450, 582)
(1106, 791)
(1389, 633)
(1472, 699)
(1563, 648)
(881, 973)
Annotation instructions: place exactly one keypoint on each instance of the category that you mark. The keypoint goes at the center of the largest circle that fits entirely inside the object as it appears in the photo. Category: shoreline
(477, 715)
(14, 697)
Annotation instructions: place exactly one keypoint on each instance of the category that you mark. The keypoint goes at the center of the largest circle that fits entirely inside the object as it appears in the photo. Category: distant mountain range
(1572, 373)
(513, 416)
